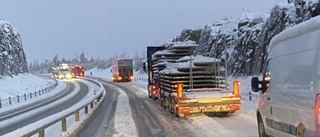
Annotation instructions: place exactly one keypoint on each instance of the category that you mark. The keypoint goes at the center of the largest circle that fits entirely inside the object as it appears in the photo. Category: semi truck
(186, 84)
(77, 70)
(63, 71)
(122, 70)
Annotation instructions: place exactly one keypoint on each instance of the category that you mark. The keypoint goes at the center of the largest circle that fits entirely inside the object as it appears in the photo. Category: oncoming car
(64, 71)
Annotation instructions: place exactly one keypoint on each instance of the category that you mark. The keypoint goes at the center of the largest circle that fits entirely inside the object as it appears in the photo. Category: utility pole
(190, 75)
(226, 61)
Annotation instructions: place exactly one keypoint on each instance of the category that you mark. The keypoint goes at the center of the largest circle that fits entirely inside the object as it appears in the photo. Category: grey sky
(104, 28)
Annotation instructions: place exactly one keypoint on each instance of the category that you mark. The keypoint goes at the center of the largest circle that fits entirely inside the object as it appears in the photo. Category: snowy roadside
(55, 130)
(26, 84)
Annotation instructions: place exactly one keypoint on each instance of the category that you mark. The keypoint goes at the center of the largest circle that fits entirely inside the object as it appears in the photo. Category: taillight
(236, 85)
(154, 92)
(317, 112)
(185, 110)
(234, 107)
(180, 90)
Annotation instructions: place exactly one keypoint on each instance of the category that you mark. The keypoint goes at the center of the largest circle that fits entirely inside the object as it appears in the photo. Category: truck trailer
(186, 84)
(122, 70)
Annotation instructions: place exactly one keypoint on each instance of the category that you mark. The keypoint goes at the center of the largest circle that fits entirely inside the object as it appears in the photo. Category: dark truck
(122, 70)
(186, 84)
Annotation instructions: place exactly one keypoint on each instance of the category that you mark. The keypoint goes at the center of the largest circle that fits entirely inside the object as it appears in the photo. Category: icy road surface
(134, 114)
(240, 124)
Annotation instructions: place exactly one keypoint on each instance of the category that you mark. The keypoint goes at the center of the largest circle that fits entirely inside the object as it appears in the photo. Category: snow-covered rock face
(247, 38)
(12, 57)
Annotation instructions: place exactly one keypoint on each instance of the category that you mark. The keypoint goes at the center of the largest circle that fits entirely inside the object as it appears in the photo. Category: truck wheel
(176, 112)
(149, 95)
(171, 107)
(161, 102)
(261, 129)
(164, 103)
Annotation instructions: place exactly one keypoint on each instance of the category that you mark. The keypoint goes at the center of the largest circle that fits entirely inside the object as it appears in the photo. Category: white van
(289, 93)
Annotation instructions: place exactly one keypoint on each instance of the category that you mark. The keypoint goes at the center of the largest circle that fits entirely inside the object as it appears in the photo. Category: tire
(171, 107)
(176, 113)
(261, 129)
(164, 103)
(149, 94)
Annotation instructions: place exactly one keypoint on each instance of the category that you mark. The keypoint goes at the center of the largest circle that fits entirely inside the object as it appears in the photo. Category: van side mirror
(255, 84)
(111, 70)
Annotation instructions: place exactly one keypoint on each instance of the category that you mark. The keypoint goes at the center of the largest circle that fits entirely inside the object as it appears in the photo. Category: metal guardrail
(71, 111)
(20, 98)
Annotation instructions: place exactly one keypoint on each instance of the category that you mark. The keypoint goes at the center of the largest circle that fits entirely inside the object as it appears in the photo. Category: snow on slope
(21, 84)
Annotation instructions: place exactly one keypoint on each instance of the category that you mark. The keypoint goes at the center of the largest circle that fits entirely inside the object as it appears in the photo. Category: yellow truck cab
(289, 93)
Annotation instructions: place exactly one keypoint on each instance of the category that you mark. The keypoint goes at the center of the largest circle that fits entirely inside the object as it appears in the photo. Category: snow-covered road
(240, 124)
(155, 120)
(131, 121)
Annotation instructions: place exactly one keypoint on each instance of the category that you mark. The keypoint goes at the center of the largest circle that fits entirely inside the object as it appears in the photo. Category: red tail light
(317, 112)
(154, 92)
(185, 110)
(234, 107)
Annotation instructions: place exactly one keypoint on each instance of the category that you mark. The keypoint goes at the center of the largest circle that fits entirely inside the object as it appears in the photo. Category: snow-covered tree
(83, 58)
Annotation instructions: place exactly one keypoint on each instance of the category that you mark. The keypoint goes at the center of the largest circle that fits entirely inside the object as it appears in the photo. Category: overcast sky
(104, 28)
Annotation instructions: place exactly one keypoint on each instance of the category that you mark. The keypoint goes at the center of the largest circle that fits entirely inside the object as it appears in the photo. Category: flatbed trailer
(186, 84)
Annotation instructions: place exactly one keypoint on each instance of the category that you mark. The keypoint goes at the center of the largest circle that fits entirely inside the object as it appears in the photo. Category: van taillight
(317, 112)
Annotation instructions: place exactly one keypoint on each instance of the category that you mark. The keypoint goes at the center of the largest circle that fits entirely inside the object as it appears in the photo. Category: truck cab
(64, 71)
(77, 70)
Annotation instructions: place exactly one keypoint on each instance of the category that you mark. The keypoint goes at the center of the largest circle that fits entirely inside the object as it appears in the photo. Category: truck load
(186, 84)
(122, 70)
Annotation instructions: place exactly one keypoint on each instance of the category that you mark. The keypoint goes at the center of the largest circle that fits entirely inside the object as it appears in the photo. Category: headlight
(68, 76)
